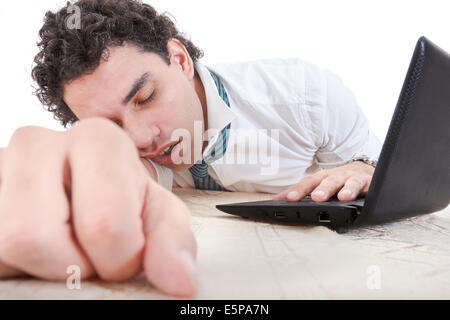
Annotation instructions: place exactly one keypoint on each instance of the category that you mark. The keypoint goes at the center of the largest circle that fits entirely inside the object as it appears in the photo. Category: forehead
(112, 80)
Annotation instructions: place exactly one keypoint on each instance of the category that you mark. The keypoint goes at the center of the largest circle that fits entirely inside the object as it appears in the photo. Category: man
(91, 193)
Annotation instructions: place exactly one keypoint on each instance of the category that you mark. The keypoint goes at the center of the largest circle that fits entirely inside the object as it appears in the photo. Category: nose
(145, 138)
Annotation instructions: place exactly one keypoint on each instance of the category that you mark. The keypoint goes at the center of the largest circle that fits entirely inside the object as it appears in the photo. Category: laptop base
(335, 214)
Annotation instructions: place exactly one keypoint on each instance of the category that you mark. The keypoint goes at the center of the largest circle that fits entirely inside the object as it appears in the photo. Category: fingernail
(319, 193)
(346, 192)
(189, 263)
(293, 195)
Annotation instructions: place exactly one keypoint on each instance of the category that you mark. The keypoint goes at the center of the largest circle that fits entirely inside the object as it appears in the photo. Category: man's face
(120, 90)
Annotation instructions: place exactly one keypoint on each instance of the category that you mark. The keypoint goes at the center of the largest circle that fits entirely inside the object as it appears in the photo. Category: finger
(303, 188)
(35, 233)
(328, 187)
(354, 186)
(108, 189)
(170, 251)
(281, 195)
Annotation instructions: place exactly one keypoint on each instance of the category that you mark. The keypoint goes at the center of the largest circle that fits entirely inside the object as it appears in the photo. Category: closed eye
(150, 98)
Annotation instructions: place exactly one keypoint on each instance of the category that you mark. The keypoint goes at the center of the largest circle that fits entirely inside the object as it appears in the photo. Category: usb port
(279, 214)
(324, 217)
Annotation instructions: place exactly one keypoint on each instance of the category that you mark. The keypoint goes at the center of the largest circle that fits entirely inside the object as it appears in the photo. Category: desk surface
(244, 259)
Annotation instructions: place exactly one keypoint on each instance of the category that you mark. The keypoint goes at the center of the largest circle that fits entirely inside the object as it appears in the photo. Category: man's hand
(83, 197)
(348, 181)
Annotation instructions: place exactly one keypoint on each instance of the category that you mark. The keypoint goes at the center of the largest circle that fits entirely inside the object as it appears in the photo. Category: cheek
(168, 115)
(182, 108)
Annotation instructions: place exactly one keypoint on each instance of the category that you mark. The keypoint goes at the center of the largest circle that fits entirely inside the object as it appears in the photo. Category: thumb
(170, 246)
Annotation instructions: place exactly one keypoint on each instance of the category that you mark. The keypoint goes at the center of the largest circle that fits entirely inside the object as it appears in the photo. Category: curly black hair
(67, 53)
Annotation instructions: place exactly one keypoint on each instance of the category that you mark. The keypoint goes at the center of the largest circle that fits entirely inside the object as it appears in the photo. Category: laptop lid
(413, 171)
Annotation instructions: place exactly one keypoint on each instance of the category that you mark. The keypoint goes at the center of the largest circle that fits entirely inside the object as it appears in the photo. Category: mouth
(163, 156)
(168, 150)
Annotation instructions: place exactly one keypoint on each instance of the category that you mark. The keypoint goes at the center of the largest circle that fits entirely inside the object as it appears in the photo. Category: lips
(164, 150)
(171, 158)
(167, 150)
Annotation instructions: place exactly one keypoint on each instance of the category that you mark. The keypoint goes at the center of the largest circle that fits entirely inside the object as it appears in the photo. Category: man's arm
(346, 130)
(342, 132)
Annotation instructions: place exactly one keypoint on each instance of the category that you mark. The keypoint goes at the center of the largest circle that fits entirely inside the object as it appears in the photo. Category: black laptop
(413, 172)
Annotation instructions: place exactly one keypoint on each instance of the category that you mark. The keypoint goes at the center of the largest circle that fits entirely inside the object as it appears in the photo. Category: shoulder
(289, 80)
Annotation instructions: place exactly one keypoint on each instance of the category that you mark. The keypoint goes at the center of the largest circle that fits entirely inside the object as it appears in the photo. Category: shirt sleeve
(346, 131)
(165, 175)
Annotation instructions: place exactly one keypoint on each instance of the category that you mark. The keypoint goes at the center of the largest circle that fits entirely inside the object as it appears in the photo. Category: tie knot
(199, 170)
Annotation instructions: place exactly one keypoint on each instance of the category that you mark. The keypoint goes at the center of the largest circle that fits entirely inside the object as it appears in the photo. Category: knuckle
(25, 133)
(360, 180)
(91, 127)
(324, 173)
(32, 140)
(95, 124)
(99, 134)
(99, 228)
(26, 137)
(331, 181)
(352, 183)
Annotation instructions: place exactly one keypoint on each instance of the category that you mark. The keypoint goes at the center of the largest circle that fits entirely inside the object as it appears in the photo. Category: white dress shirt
(306, 116)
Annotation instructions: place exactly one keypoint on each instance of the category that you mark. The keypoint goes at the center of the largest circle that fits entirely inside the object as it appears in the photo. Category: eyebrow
(138, 84)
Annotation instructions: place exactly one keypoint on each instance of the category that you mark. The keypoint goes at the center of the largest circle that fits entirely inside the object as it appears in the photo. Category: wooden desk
(244, 259)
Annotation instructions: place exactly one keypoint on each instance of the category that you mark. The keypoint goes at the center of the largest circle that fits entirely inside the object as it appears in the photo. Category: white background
(367, 43)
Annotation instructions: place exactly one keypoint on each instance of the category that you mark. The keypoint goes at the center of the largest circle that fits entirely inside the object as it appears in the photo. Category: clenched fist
(84, 197)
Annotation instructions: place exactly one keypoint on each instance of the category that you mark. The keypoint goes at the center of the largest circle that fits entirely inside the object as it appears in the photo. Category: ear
(180, 57)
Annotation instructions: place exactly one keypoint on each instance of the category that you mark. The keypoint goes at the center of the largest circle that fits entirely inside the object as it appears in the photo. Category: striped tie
(199, 171)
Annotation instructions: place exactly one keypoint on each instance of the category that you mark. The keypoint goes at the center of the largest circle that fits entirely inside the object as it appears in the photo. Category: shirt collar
(218, 113)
